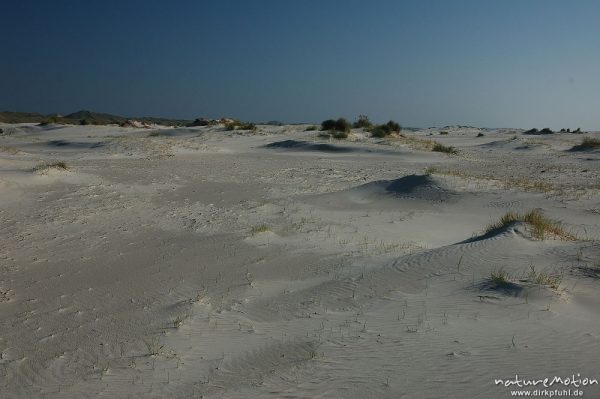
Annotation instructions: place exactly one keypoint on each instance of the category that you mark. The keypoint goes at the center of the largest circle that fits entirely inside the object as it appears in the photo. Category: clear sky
(504, 63)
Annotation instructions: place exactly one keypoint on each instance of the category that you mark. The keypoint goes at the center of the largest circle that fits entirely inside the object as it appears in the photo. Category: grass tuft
(499, 277)
(588, 143)
(540, 225)
(437, 147)
(541, 278)
(9, 149)
(263, 228)
(237, 125)
(61, 165)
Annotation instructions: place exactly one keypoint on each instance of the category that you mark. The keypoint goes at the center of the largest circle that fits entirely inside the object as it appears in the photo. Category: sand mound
(419, 189)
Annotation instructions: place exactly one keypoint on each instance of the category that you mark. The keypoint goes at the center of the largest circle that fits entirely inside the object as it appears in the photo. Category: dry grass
(499, 277)
(552, 280)
(45, 167)
(437, 147)
(524, 183)
(263, 228)
(540, 225)
(8, 149)
(588, 143)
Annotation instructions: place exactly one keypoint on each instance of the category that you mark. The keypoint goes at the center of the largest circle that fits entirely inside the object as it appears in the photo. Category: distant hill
(83, 117)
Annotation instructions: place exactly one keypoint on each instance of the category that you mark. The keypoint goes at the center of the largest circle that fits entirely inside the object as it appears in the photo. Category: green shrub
(310, 128)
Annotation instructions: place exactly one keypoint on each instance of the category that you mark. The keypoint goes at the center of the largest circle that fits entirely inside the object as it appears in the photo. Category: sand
(199, 262)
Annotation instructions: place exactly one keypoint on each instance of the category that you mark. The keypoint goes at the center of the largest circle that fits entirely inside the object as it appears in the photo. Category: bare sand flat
(199, 262)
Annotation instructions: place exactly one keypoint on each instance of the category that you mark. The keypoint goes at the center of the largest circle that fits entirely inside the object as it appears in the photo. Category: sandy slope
(196, 262)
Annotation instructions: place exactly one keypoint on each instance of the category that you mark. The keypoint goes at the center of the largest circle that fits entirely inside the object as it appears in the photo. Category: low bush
(363, 122)
(437, 147)
(588, 143)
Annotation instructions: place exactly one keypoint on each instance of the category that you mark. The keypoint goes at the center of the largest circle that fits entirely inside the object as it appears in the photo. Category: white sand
(206, 263)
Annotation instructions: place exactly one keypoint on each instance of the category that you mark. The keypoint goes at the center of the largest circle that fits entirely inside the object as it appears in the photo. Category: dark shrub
(381, 131)
(328, 124)
(199, 122)
(588, 143)
(342, 125)
(247, 126)
(310, 128)
(437, 147)
(363, 122)
(479, 134)
(337, 134)
(394, 126)
(84, 122)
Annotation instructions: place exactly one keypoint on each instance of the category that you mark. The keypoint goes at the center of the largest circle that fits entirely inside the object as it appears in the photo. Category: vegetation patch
(500, 278)
(437, 147)
(363, 122)
(588, 143)
(262, 228)
(238, 125)
(540, 225)
(338, 129)
(45, 167)
(551, 280)
(8, 149)
(386, 129)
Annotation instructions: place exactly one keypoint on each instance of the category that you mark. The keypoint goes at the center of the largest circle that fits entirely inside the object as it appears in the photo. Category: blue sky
(509, 63)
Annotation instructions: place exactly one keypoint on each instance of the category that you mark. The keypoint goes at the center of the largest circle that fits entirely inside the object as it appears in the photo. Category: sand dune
(199, 262)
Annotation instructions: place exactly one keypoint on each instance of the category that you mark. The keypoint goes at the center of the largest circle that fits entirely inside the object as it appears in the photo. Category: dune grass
(500, 277)
(9, 149)
(552, 280)
(437, 147)
(540, 225)
(262, 228)
(524, 183)
(44, 167)
(238, 125)
(588, 143)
